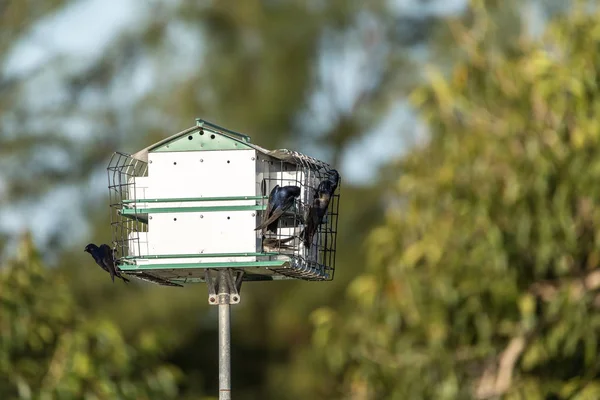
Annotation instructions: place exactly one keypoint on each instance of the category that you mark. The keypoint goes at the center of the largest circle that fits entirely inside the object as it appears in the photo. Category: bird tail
(304, 236)
(273, 227)
(262, 225)
(122, 277)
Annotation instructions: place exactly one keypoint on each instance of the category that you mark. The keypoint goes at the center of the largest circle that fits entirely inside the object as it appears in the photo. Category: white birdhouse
(193, 201)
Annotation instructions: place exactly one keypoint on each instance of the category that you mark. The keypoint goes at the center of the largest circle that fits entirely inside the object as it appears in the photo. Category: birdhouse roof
(226, 140)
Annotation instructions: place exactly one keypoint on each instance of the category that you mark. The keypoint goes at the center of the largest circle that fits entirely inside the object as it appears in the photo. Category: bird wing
(274, 216)
(312, 221)
(269, 210)
(108, 260)
(100, 262)
(278, 243)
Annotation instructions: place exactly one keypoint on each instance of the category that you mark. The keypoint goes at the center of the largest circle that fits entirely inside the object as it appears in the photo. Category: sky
(73, 29)
(70, 32)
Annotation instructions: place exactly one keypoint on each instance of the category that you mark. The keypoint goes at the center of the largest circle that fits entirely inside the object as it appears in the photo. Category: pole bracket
(224, 285)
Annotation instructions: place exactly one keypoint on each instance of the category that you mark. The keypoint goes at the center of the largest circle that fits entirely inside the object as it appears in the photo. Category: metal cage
(126, 228)
(316, 262)
(142, 209)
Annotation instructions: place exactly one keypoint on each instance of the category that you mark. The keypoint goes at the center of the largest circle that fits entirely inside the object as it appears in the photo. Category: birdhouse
(207, 198)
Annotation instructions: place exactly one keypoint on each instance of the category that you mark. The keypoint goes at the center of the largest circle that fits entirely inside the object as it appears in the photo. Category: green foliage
(483, 282)
(260, 69)
(50, 349)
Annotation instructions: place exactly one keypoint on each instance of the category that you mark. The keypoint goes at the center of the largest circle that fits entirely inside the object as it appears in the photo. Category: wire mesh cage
(309, 246)
(125, 179)
(198, 201)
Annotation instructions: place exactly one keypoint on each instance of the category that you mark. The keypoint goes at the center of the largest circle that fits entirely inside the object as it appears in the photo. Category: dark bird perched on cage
(314, 217)
(333, 180)
(109, 261)
(326, 190)
(318, 208)
(280, 200)
(103, 256)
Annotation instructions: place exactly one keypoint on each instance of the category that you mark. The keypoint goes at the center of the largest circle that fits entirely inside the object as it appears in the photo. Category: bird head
(90, 247)
(294, 191)
(334, 179)
(325, 186)
(333, 176)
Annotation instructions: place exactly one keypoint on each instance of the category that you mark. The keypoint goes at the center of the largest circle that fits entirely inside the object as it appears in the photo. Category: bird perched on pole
(103, 256)
(280, 200)
(318, 208)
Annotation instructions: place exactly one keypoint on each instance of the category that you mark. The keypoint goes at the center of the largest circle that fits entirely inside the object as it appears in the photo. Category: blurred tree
(312, 73)
(50, 349)
(483, 282)
(256, 68)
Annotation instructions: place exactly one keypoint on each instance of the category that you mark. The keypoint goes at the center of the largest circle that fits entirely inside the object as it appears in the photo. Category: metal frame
(307, 172)
(186, 199)
(224, 291)
(161, 210)
(122, 170)
(131, 214)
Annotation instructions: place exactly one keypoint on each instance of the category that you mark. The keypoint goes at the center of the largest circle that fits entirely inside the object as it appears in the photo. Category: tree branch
(495, 381)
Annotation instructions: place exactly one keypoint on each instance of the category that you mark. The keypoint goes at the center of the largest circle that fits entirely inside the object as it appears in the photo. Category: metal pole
(224, 340)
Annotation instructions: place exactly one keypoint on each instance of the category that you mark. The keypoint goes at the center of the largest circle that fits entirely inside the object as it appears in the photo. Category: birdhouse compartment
(193, 202)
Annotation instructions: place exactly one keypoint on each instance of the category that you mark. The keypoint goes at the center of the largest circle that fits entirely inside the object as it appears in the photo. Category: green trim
(201, 123)
(162, 210)
(202, 255)
(205, 137)
(246, 278)
(248, 264)
(138, 217)
(185, 199)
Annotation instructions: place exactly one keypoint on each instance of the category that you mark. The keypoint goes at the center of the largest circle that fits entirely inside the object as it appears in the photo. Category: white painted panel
(202, 174)
(290, 175)
(141, 185)
(138, 250)
(207, 232)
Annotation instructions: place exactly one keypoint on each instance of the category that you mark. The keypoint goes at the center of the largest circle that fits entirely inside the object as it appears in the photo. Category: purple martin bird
(326, 189)
(316, 212)
(318, 209)
(331, 183)
(103, 256)
(280, 200)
